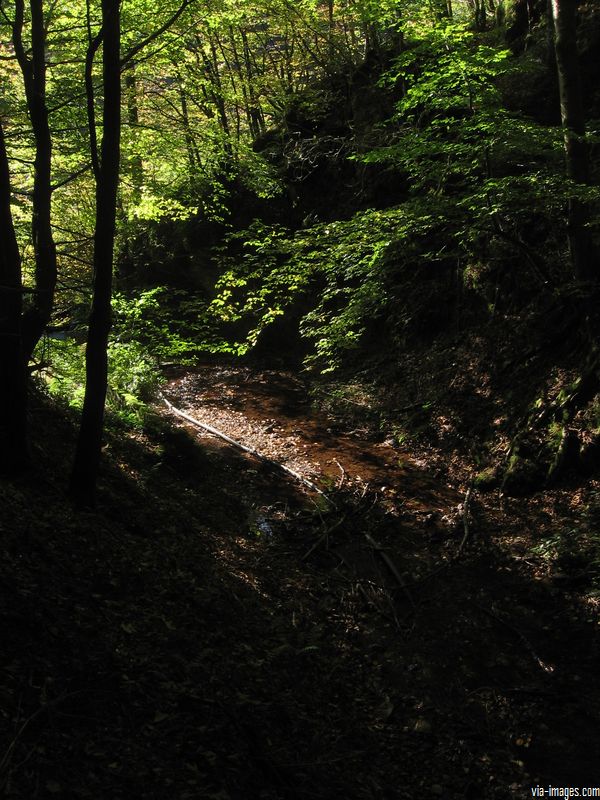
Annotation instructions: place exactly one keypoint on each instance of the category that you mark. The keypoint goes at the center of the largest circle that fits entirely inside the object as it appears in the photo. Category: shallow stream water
(272, 413)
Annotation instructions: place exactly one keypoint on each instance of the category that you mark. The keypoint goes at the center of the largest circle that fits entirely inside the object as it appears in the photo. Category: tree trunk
(256, 118)
(218, 98)
(441, 9)
(13, 373)
(190, 144)
(37, 315)
(564, 15)
(136, 166)
(89, 443)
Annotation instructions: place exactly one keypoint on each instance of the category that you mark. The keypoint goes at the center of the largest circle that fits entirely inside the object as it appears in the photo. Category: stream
(272, 413)
(460, 627)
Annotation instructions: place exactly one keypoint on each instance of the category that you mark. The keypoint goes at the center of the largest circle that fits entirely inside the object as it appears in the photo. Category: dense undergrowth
(433, 216)
(418, 202)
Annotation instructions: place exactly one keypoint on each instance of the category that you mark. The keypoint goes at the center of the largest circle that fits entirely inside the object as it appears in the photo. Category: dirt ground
(216, 629)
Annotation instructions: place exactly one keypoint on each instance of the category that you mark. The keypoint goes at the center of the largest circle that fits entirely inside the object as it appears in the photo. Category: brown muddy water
(272, 412)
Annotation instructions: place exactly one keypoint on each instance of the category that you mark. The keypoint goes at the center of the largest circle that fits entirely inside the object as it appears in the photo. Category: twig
(317, 544)
(323, 538)
(250, 450)
(429, 575)
(343, 471)
(8, 754)
(345, 399)
(371, 601)
(465, 517)
(391, 566)
(548, 668)
(411, 407)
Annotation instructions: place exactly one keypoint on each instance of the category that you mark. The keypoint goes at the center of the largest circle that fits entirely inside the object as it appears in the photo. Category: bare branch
(133, 51)
(73, 176)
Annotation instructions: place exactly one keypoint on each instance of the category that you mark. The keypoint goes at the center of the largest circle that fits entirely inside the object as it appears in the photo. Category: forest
(299, 399)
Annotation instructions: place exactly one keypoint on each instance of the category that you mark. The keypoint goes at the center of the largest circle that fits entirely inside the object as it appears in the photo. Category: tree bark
(218, 95)
(13, 374)
(256, 119)
(136, 166)
(564, 16)
(190, 144)
(37, 315)
(89, 443)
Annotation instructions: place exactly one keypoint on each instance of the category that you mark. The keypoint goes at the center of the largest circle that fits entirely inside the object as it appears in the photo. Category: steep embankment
(212, 631)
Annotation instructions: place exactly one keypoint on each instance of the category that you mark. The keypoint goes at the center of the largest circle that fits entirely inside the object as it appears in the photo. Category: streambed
(272, 413)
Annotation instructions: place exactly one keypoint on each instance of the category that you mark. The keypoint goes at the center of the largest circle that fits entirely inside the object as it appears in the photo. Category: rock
(567, 455)
(422, 726)
(523, 476)
(589, 455)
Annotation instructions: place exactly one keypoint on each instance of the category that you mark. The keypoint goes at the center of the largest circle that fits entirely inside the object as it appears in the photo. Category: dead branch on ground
(250, 450)
(391, 566)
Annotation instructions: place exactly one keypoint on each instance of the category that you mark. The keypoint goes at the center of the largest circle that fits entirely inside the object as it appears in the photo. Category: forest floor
(218, 630)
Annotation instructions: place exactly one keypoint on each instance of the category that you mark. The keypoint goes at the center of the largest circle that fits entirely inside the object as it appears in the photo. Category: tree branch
(73, 176)
(133, 51)
(89, 95)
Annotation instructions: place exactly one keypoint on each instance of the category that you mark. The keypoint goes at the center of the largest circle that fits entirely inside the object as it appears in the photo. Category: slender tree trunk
(564, 15)
(331, 30)
(136, 166)
(37, 315)
(190, 144)
(13, 372)
(441, 9)
(256, 118)
(89, 443)
(218, 98)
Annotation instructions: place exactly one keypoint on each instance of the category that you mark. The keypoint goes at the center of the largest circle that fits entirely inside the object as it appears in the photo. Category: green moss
(486, 480)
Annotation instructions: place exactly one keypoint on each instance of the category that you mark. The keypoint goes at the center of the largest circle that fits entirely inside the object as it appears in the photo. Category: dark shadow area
(211, 631)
